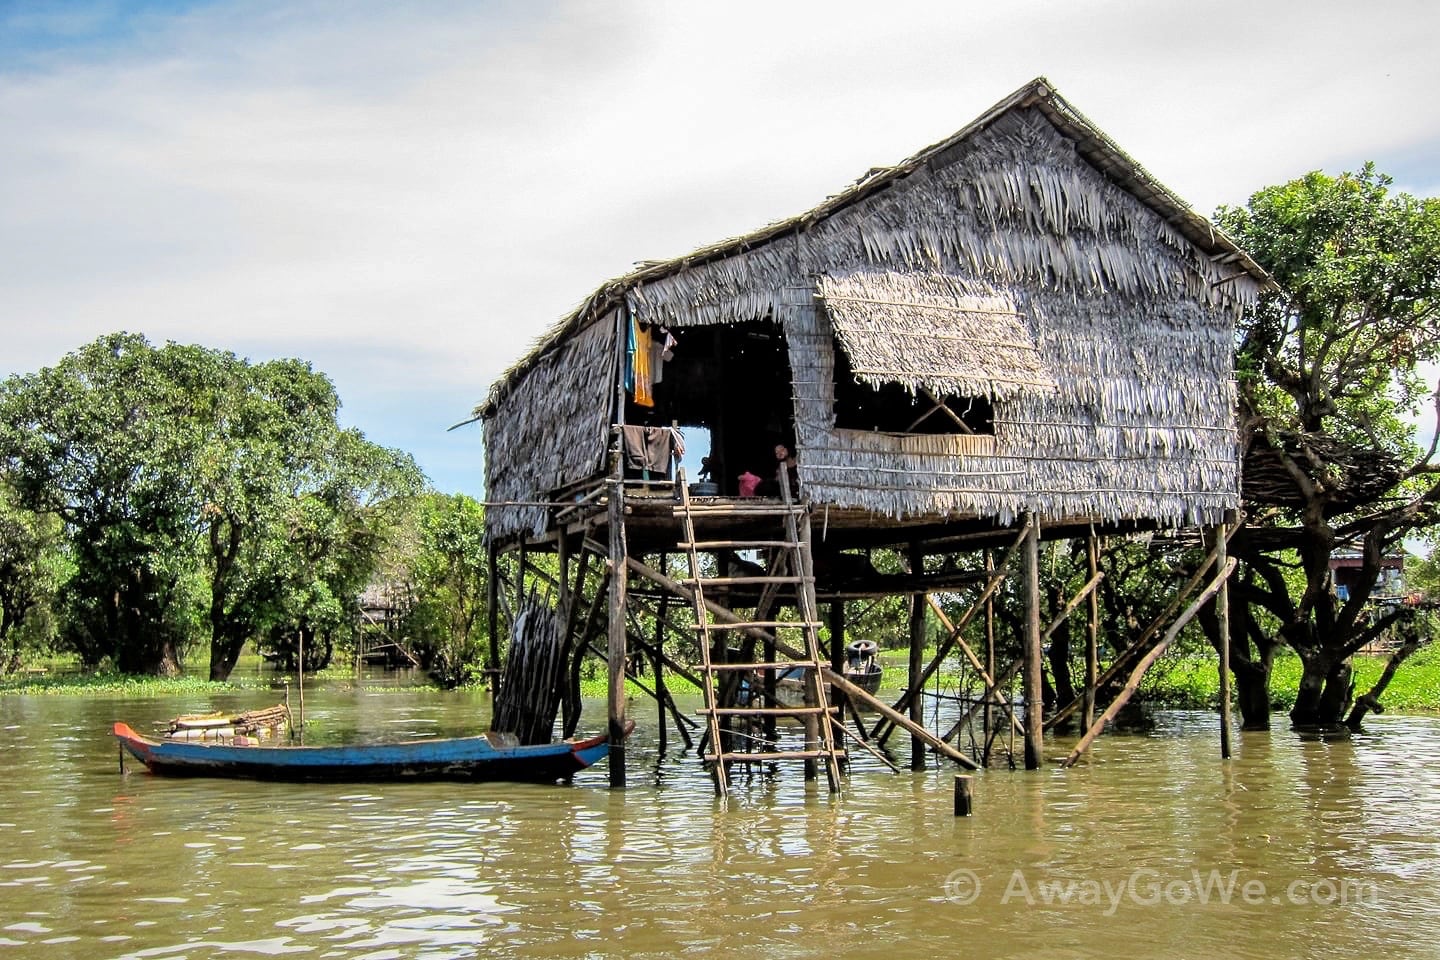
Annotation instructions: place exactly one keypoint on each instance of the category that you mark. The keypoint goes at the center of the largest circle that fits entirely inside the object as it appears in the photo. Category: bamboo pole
(1134, 649)
(917, 659)
(882, 730)
(1033, 653)
(854, 691)
(617, 634)
(1222, 614)
(1132, 684)
(492, 614)
(989, 666)
(837, 652)
(1092, 634)
(657, 664)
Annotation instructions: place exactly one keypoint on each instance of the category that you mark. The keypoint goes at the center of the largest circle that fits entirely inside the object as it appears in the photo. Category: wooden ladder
(791, 565)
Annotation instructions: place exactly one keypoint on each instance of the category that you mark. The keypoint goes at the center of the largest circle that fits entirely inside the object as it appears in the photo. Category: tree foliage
(446, 578)
(196, 490)
(1329, 368)
(31, 567)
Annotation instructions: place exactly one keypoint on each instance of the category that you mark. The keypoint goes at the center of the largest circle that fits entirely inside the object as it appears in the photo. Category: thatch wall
(1093, 308)
(555, 434)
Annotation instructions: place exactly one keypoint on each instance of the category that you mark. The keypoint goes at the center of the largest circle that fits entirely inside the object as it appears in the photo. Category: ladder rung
(710, 581)
(776, 755)
(749, 509)
(773, 665)
(734, 544)
(746, 624)
(764, 711)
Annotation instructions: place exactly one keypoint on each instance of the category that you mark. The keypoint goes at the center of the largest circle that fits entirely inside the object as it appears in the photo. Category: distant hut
(1017, 322)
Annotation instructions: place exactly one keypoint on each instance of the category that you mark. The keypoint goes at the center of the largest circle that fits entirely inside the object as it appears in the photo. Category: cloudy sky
(406, 194)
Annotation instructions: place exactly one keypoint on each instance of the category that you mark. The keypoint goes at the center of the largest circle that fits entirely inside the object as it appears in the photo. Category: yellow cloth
(643, 383)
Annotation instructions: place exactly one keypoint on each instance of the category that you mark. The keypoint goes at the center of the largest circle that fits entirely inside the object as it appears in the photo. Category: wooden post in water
(990, 663)
(1092, 636)
(492, 615)
(964, 796)
(917, 659)
(837, 655)
(616, 652)
(657, 664)
(300, 679)
(562, 552)
(1222, 614)
(1033, 653)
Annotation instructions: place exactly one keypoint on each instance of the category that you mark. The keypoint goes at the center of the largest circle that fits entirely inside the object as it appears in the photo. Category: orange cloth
(643, 382)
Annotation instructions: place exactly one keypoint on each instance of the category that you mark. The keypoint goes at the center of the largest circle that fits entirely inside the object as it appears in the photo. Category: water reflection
(93, 864)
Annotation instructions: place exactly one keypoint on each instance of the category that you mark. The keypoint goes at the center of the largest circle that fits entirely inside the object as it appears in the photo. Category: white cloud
(408, 196)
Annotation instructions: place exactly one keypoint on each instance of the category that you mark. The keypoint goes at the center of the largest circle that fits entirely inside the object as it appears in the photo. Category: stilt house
(1016, 322)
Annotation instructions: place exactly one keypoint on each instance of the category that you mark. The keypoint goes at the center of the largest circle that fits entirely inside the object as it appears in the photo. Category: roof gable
(1223, 260)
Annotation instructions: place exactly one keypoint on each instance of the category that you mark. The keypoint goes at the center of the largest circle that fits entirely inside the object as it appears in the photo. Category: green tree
(446, 576)
(195, 487)
(30, 571)
(292, 515)
(1327, 366)
(107, 440)
(338, 529)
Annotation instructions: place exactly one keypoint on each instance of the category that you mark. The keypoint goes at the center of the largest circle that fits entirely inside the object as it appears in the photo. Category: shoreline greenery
(1185, 681)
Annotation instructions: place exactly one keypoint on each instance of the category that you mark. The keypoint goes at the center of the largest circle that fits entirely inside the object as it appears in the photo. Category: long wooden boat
(464, 758)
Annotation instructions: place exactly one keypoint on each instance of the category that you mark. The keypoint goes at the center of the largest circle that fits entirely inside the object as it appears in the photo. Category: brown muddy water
(1153, 849)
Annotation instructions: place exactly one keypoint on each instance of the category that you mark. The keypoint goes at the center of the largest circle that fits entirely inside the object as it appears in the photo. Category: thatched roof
(1024, 259)
(738, 261)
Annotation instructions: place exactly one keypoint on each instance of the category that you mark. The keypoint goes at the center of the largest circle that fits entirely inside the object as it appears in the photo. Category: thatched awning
(931, 332)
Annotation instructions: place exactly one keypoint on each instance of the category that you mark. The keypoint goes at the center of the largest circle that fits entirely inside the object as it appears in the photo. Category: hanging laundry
(649, 448)
(630, 356)
(640, 365)
(662, 349)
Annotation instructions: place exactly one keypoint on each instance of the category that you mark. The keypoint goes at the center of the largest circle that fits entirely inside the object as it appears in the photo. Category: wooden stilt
(657, 665)
(1133, 683)
(1092, 635)
(1147, 636)
(492, 614)
(884, 727)
(562, 551)
(964, 796)
(300, 682)
(1033, 651)
(1222, 614)
(852, 690)
(837, 653)
(917, 660)
(616, 653)
(990, 664)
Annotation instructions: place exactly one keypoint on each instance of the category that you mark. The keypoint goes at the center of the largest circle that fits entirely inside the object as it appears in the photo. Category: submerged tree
(1328, 369)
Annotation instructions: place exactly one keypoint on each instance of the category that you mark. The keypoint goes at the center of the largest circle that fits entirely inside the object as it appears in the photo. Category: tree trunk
(1370, 702)
(224, 653)
(1326, 688)
(1059, 657)
(1252, 692)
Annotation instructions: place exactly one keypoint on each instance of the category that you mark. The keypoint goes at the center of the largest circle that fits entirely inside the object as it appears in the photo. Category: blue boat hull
(466, 758)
